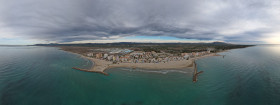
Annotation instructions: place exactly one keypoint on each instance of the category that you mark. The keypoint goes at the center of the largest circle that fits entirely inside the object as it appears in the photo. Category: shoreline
(99, 66)
(102, 65)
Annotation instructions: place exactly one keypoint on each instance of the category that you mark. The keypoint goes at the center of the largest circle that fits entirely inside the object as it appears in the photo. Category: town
(116, 55)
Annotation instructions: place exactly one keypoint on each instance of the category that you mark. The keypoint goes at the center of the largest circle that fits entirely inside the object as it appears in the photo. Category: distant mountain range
(131, 43)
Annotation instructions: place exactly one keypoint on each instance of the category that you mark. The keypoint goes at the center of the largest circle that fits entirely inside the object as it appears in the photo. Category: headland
(102, 63)
(144, 55)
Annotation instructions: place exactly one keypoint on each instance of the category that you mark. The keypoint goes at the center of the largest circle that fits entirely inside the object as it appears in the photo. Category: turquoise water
(43, 76)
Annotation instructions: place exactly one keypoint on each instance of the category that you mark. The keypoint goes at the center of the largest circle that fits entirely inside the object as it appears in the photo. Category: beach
(99, 66)
(102, 65)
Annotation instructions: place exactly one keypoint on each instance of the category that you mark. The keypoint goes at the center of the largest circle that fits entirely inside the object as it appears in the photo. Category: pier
(195, 73)
(90, 71)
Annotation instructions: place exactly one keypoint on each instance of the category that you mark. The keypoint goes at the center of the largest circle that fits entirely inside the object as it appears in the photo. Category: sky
(106, 21)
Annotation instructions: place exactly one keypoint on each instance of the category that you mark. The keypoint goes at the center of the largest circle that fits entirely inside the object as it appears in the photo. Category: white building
(186, 57)
(105, 56)
(89, 54)
(110, 57)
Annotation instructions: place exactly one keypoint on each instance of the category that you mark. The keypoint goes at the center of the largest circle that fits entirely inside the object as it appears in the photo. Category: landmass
(144, 55)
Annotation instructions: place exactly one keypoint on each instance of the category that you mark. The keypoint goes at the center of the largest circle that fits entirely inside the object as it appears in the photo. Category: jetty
(101, 72)
(195, 73)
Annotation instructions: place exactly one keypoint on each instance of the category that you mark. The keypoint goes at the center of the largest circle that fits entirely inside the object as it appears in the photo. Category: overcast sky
(70, 21)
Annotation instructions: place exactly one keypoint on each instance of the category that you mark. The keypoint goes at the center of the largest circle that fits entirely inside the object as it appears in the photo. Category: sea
(33, 75)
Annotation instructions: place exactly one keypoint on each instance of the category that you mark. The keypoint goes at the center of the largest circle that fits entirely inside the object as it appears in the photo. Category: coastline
(102, 65)
(99, 66)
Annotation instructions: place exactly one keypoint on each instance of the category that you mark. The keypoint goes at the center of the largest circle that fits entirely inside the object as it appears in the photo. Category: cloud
(78, 20)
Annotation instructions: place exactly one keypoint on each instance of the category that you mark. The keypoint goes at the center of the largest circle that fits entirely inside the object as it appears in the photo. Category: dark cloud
(76, 20)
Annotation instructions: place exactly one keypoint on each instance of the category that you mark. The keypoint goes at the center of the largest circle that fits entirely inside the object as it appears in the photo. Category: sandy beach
(168, 65)
(100, 66)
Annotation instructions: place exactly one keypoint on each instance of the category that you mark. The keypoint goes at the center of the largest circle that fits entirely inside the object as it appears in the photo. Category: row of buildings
(196, 54)
(145, 57)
